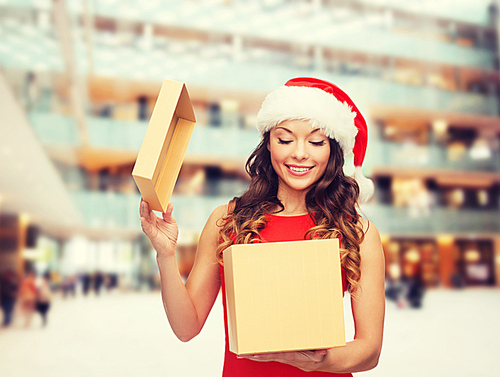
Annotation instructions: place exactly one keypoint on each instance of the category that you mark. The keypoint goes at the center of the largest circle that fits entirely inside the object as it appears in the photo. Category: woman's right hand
(162, 232)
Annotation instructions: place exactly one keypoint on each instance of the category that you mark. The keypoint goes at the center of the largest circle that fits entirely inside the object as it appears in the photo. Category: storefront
(442, 261)
(475, 262)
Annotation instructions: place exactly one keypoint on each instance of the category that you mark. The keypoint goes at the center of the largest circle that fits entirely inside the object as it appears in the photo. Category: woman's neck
(294, 202)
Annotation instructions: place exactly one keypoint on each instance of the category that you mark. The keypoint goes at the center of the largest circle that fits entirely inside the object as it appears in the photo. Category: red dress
(278, 229)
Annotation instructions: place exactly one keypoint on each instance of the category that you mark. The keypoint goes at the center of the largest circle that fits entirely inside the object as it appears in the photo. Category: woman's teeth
(293, 168)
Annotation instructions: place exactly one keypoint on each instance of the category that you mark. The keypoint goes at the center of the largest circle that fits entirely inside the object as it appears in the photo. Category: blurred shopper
(112, 281)
(86, 283)
(415, 293)
(298, 191)
(68, 286)
(43, 298)
(415, 288)
(98, 282)
(31, 91)
(28, 293)
(395, 288)
(457, 280)
(9, 286)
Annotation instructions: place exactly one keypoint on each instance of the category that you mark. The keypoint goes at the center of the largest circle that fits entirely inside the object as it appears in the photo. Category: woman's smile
(299, 170)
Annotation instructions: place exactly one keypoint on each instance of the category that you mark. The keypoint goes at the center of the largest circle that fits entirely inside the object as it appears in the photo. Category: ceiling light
(412, 255)
(440, 127)
(480, 150)
(24, 219)
(472, 256)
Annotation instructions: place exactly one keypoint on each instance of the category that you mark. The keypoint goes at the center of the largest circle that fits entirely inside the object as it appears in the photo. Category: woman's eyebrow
(291, 132)
(286, 129)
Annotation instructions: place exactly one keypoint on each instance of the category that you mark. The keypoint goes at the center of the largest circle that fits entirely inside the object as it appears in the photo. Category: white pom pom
(366, 186)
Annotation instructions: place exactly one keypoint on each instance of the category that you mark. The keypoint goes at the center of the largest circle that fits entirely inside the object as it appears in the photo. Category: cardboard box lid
(284, 296)
(164, 146)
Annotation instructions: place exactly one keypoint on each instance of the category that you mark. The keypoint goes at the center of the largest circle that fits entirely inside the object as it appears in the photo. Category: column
(496, 259)
(447, 267)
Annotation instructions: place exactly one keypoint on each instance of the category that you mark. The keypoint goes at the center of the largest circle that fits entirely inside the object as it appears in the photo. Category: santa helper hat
(326, 107)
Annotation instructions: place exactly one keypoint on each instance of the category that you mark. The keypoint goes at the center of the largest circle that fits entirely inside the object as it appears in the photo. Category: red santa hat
(326, 107)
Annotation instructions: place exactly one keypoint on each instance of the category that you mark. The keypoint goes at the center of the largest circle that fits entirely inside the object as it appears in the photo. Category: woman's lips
(299, 170)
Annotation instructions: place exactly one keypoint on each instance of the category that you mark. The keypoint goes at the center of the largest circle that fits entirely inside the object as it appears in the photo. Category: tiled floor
(456, 333)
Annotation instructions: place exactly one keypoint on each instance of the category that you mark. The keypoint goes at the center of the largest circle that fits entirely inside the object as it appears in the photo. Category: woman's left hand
(305, 360)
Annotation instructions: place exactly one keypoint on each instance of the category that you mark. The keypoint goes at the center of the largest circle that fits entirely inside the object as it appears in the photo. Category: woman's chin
(299, 186)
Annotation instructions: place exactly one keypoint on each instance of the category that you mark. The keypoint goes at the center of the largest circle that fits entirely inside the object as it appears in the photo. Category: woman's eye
(280, 141)
(318, 143)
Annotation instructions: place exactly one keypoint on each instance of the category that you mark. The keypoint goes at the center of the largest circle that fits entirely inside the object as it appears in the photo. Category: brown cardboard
(284, 296)
(164, 146)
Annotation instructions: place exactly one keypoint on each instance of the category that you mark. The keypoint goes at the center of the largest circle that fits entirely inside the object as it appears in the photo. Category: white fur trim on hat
(322, 109)
(366, 186)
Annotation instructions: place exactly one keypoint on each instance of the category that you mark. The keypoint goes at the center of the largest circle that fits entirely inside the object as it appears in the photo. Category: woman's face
(299, 154)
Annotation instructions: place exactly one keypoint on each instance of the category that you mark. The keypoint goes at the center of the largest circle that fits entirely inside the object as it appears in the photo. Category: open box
(284, 296)
(164, 146)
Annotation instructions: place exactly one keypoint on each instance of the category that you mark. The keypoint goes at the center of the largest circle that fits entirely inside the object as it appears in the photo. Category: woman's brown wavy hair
(331, 201)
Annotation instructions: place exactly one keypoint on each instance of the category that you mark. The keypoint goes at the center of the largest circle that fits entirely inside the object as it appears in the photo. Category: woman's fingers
(145, 217)
(316, 356)
(142, 208)
(290, 357)
(145, 212)
(168, 212)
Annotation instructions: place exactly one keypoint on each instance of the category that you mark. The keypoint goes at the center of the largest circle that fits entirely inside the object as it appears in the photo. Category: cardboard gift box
(284, 296)
(164, 146)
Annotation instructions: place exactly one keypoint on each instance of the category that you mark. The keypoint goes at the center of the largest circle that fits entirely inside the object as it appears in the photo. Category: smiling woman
(298, 191)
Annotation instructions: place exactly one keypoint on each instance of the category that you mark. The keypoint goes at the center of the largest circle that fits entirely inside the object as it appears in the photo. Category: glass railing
(378, 92)
(222, 141)
(53, 129)
(28, 46)
(110, 210)
(116, 134)
(114, 210)
(384, 153)
(390, 219)
(286, 23)
(475, 12)
(58, 129)
(365, 91)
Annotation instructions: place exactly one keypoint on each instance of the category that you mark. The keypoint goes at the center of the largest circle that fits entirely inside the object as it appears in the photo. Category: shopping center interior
(79, 80)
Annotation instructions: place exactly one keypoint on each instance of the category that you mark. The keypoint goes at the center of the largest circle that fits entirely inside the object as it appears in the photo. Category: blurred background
(78, 82)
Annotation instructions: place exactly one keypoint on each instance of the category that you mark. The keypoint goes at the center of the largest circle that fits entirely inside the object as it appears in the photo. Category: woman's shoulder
(364, 223)
(220, 211)
(370, 231)
(213, 225)
(216, 217)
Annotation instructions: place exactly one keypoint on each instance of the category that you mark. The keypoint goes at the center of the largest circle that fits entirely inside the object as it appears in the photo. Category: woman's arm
(187, 305)
(368, 308)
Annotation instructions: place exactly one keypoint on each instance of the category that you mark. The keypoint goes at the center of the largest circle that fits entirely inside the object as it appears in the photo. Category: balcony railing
(281, 24)
(390, 219)
(113, 210)
(55, 129)
(233, 142)
(385, 153)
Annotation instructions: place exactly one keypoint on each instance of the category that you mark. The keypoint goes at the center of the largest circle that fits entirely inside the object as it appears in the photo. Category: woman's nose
(300, 152)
